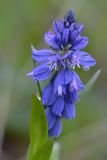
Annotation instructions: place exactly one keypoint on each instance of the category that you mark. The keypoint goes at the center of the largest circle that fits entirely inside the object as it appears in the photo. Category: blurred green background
(24, 22)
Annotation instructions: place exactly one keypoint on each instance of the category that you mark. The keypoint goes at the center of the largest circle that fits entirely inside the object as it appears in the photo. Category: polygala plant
(60, 95)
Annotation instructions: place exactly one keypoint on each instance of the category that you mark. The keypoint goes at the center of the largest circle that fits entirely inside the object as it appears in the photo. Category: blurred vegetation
(23, 23)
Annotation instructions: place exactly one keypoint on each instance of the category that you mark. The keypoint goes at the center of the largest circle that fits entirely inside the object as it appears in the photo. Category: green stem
(38, 84)
(39, 89)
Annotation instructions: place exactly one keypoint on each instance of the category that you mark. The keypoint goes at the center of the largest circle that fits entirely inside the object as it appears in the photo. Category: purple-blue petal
(41, 55)
(69, 110)
(58, 26)
(65, 36)
(74, 96)
(50, 39)
(68, 76)
(80, 43)
(50, 117)
(40, 73)
(79, 28)
(73, 35)
(85, 59)
(78, 85)
(58, 38)
(57, 129)
(58, 106)
(72, 26)
(48, 96)
(63, 77)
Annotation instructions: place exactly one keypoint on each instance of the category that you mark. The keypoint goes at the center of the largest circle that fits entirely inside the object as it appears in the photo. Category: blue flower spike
(60, 95)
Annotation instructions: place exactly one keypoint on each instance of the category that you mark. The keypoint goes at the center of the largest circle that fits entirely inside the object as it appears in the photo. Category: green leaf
(90, 83)
(45, 152)
(38, 125)
(55, 152)
(40, 147)
(29, 153)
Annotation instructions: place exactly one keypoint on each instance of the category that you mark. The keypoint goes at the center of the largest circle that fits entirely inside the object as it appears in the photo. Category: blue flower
(60, 95)
(55, 123)
(67, 34)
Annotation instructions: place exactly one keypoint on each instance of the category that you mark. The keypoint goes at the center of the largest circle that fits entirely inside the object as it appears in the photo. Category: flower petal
(65, 36)
(73, 35)
(58, 26)
(79, 28)
(85, 59)
(48, 96)
(74, 96)
(63, 77)
(69, 110)
(40, 73)
(50, 39)
(50, 117)
(80, 43)
(58, 106)
(72, 26)
(41, 55)
(77, 83)
(57, 129)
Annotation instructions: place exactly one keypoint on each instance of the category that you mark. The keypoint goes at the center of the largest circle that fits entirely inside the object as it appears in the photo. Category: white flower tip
(78, 65)
(39, 97)
(33, 49)
(60, 90)
(73, 67)
(30, 74)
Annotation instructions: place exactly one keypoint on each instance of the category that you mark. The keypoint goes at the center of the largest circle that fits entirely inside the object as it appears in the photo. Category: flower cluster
(61, 93)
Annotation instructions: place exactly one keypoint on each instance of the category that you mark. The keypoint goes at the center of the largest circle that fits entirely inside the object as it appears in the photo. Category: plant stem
(39, 89)
(38, 84)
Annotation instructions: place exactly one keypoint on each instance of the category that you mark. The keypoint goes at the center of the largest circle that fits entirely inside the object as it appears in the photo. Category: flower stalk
(39, 89)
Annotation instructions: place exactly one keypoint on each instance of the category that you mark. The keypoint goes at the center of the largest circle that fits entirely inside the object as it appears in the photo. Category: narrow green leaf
(90, 83)
(45, 152)
(40, 147)
(38, 125)
(29, 153)
(55, 152)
